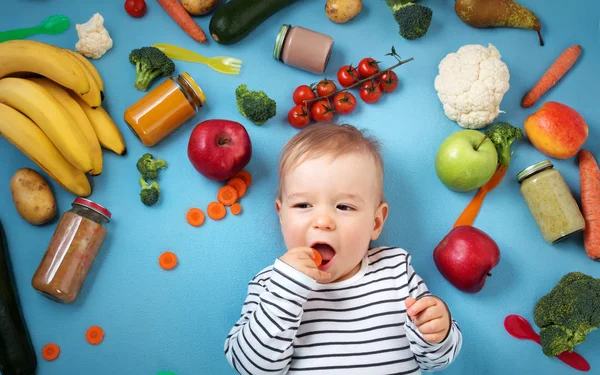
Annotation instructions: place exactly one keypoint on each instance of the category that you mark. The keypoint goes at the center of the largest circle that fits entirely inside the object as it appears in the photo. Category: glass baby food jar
(71, 252)
(550, 201)
(302, 48)
(164, 109)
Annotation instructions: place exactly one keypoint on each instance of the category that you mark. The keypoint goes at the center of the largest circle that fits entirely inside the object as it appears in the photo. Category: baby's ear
(278, 206)
(380, 216)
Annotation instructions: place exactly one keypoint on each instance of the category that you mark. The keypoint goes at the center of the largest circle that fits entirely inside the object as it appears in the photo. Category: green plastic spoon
(165, 373)
(55, 24)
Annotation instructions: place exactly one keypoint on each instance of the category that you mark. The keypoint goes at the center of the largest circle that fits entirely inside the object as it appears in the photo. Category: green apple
(463, 162)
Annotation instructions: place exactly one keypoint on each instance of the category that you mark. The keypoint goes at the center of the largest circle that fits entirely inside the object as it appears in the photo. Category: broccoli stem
(143, 78)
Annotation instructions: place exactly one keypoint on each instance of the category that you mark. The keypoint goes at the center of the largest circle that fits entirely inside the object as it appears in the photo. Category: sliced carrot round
(50, 352)
(216, 210)
(245, 176)
(94, 335)
(235, 208)
(195, 217)
(227, 195)
(239, 185)
(318, 258)
(167, 260)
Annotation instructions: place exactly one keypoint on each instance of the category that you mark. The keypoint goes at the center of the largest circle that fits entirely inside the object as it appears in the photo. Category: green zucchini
(237, 18)
(17, 356)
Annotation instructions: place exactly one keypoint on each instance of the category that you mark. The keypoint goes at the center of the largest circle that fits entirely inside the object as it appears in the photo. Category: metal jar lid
(279, 42)
(532, 169)
(198, 91)
(93, 206)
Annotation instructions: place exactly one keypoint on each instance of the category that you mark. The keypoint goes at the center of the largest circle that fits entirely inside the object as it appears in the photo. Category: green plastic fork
(223, 64)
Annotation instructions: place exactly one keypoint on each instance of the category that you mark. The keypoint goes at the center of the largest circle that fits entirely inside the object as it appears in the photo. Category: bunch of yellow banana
(56, 119)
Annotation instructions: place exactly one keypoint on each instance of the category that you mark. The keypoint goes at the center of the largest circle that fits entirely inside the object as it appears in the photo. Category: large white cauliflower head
(471, 83)
(94, 39)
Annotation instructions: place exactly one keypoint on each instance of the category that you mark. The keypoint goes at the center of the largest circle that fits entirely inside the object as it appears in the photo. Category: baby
(362, 310)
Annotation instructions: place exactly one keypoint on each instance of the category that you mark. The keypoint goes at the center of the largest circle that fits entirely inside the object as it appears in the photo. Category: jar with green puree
(550, 201)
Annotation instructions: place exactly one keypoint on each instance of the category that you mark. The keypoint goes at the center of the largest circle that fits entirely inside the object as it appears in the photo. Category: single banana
(36, 103)
(94, 96)
(44, 59)
(78, 116)
(25, 135)
(108, 133)
(90, 67)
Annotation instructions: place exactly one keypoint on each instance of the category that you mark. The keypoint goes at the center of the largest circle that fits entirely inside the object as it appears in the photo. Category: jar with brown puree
(71, 252)
(550, 201)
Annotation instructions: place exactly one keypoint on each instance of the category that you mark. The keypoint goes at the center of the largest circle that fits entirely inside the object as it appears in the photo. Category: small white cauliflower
(471, 83)
(94, 40)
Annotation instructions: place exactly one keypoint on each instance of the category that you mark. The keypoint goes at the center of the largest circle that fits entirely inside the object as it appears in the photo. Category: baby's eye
(301, 205)
(344, 207)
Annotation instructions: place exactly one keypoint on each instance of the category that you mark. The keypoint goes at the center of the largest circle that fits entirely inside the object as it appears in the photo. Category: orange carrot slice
(167, 260)
(227, 195)
(246, 176)
(318, 259)
(235, 208)
(239, 185)
(216, 210)
(195, 217)
(94, 335)
(50, 352)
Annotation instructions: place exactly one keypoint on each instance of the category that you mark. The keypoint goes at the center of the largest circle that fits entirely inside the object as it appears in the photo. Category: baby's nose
(323, 220)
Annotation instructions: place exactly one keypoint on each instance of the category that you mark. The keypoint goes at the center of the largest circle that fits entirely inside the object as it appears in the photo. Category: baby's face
(334, 207)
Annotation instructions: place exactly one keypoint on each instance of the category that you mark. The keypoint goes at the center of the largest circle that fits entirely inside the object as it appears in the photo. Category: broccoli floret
(150, 193)
(148, 166)
(256, 106)
(150, 63)
(414, 19)
(568, 313)
(503, 134)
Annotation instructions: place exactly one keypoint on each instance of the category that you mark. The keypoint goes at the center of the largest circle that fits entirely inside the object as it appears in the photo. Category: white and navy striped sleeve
(430, 357)
(261, 342)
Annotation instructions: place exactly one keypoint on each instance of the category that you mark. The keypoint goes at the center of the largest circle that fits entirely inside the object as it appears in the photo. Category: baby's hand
(301, 258)
(431, 316)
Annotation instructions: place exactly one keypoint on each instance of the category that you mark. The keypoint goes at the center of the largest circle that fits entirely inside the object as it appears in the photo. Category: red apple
(465, 257)
(218, 149)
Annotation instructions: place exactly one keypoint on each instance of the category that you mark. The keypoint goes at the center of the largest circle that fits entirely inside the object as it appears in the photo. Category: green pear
(497, 13)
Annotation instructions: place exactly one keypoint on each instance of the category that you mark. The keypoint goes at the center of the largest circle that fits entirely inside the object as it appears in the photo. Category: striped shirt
(292, 325)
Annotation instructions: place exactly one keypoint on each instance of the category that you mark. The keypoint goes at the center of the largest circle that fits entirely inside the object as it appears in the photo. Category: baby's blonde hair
(331, 140)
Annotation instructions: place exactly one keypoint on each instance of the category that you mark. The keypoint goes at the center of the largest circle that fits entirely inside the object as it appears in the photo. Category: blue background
(177, 321)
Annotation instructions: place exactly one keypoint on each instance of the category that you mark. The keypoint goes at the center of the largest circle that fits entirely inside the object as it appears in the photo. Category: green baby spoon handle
(52, 25)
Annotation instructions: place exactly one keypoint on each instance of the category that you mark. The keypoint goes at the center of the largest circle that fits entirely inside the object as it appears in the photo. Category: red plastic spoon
(520, 328)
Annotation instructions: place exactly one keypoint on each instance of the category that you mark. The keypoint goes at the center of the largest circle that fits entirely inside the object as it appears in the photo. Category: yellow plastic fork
(223, 64)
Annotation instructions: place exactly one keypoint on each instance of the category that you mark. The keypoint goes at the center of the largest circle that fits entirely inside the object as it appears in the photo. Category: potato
(342, 11)
(199, 7)
(32, 196)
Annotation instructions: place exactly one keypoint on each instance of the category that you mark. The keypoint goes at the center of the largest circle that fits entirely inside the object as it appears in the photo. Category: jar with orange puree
(164, 109)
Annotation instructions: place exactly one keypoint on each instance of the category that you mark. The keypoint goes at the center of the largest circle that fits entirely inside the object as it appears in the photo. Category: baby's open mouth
(327, 252)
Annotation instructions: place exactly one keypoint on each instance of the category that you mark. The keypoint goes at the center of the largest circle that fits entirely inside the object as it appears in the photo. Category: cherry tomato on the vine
(388, 81)
(368, 67)
(347, 75)
(325, 87)
(370, 91)
(344, 102)
(135, 8)
(321, 111)
(298, 116)
(302, 93)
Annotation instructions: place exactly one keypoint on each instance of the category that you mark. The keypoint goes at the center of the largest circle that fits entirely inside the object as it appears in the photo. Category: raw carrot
(94, 335)
(167, 260)
(195, 217)
(589, 179)
(227, 195)
(246, 176)
(557, 70)
(239, 185)
(467, 217)
(183, 19)
(235, 208)
(318, 259)
(216, 210)
(50, 352)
